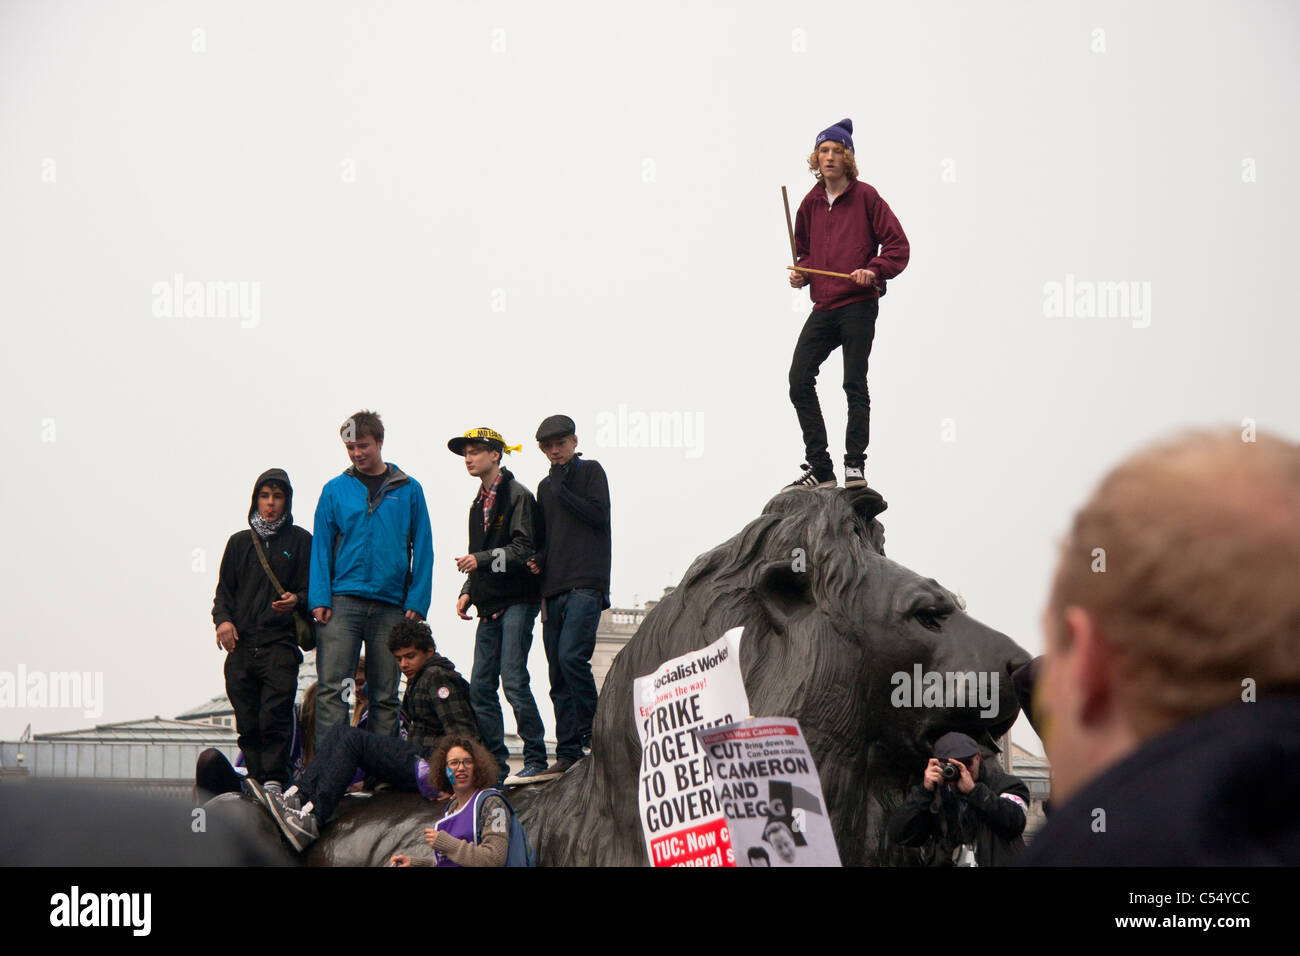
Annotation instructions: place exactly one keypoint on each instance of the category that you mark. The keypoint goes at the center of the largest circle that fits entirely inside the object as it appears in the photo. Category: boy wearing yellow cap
(502, 538)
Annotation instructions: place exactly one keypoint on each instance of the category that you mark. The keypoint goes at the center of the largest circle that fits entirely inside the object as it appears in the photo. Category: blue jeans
(356, 621)
(569, 635)
(501, 651)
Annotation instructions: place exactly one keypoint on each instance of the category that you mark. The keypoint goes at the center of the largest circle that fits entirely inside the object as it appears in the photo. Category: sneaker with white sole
(536, 773)
(298, 826)
(811, 478)
(854, 476)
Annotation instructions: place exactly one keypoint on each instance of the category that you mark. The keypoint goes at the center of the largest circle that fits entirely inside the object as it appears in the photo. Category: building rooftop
(150, 730)
(216, 706)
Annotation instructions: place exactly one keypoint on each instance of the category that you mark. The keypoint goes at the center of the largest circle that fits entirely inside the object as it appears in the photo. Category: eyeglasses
(466, 762)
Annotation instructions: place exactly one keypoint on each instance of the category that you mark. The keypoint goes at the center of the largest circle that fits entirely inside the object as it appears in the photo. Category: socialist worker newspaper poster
(766, 783)
(680, 816)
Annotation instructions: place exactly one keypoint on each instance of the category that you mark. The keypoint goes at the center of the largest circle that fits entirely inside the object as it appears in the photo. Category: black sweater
(502, 577)
(574, 503)
(244, 592)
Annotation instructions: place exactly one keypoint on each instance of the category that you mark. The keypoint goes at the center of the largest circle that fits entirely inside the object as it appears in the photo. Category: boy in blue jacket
(371, 565)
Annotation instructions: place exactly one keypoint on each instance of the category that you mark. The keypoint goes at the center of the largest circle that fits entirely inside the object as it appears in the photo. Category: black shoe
(855, 476)
(810, 478)
(298, 826)
(559, 768)
(257, 791)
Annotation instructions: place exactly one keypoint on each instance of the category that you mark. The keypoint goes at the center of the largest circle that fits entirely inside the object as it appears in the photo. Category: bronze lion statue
(829, 624)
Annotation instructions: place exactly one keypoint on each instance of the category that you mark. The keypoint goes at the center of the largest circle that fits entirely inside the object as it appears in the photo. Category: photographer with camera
(963, 813)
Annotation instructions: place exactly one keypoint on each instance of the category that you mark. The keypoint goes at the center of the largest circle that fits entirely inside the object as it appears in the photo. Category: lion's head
(829, 621)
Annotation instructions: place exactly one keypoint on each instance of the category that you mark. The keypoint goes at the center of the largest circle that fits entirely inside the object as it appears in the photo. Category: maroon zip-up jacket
(859, 231)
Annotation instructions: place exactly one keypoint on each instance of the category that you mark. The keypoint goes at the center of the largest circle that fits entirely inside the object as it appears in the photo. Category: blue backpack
(520, 853)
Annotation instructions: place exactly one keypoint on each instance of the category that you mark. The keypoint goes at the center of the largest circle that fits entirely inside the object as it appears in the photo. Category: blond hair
(850, 164)
(1188, 558)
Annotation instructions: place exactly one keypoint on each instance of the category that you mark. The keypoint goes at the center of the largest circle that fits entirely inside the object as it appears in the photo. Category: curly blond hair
(850, 164)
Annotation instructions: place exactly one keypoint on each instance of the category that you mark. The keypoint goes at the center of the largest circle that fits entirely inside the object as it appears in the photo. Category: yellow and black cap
(484, 436)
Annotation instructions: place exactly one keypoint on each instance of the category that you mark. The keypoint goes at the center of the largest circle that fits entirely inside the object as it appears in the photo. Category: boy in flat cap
(842, 226)
(574, 566)
(507, 597)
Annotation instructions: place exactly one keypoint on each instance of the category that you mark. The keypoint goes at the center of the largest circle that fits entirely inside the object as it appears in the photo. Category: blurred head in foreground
(1177, 592)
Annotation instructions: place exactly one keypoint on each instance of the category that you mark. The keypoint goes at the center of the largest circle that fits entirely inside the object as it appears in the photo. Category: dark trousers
(569, 634)
(852, 328)
(343, 751)
(501, 653)
(261, 683)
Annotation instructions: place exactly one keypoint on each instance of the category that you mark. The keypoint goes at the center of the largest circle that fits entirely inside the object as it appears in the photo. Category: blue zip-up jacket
(381, 550)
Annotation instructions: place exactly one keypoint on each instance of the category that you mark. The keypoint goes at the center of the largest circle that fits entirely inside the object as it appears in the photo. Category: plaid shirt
(489, 498)
(437, 704)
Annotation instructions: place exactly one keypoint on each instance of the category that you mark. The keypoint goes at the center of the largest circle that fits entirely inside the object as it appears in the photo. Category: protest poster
(766, 784)
(680, 816)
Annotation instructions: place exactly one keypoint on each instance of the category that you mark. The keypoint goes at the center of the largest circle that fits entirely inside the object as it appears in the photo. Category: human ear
(1091, 665)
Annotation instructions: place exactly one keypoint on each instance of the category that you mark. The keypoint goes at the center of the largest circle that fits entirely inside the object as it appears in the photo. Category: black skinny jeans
(343, 750)
(261, 683)
(852, 328)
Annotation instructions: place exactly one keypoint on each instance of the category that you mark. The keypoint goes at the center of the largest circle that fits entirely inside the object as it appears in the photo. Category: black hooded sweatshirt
(244, 592)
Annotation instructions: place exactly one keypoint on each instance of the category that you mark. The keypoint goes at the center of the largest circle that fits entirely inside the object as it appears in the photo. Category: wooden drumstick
(785, 198)
(821, 272)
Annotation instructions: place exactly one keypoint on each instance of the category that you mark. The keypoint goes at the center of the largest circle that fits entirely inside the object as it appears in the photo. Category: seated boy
(436, 703)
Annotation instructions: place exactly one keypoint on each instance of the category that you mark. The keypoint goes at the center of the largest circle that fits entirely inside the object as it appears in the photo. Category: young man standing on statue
(502, 536)
(254, 617)
(371, 566)
(574, 564)
(842, 226)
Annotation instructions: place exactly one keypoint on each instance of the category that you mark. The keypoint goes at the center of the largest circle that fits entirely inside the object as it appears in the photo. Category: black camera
(951, 771)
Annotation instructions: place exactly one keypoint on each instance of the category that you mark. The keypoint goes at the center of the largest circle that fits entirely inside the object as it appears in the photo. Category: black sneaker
(257, 791)
(298, 826)
(854, 476)
(811, 479)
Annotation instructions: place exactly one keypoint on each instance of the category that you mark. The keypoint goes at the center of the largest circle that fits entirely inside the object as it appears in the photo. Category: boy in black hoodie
(502, 539)
(255, 625)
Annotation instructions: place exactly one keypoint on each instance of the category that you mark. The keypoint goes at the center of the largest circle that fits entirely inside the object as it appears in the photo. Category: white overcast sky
(467, 214)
